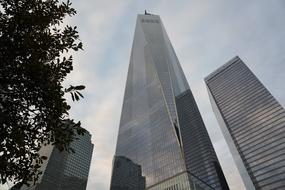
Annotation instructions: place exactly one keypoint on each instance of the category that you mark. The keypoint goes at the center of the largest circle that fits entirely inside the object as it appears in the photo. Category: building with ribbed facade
(63, 170)
(252, 122)
(162, 135)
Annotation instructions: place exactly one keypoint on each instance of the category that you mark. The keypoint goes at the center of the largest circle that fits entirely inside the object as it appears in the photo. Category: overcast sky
(205, 35)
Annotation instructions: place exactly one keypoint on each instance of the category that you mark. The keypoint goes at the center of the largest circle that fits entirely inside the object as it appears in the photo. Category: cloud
(97, 67)
(204, 34)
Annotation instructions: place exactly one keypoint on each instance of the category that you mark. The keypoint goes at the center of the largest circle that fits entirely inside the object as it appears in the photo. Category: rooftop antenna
(146, 13)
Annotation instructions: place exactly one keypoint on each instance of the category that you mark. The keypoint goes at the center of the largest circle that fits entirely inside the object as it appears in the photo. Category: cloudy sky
(205, 34)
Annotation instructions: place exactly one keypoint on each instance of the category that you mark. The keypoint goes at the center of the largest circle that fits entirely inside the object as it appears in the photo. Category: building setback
(253, 124)
(161, 130)
(65, 170)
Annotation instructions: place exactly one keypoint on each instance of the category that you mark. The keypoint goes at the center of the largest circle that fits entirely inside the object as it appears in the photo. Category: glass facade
(150, 133)
(252, 121)
(127, 175)
(65, 170)
(200, 157)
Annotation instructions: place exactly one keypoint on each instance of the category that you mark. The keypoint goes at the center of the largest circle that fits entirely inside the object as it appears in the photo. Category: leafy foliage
(34, 61)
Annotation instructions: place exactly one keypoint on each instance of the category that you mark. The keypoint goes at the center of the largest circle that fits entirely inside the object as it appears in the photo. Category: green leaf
(76, 96)
(80, 87)
(72, 96)
(80, 94)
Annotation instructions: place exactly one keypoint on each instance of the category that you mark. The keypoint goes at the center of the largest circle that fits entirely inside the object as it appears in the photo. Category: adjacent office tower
(63, 170)
(253, 123)
(162, 138)
(127, 175)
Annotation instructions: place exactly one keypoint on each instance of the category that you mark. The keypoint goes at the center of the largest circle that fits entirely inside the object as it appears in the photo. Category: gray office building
(63, 170)
(161, 135)
(253, 124)
(127, 175)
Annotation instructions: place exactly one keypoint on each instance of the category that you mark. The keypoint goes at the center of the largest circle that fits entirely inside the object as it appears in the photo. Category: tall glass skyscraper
(162, 141)
(63, 170)
(253, 123)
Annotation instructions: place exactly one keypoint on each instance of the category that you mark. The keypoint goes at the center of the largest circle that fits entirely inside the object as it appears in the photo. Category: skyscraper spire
(146, 13)
(161, 130)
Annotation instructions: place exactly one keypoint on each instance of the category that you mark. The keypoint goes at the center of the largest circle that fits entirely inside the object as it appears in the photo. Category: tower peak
(146, 13)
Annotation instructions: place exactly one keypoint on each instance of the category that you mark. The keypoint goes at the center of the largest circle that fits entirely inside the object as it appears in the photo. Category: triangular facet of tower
(161, 130)
(149, 96)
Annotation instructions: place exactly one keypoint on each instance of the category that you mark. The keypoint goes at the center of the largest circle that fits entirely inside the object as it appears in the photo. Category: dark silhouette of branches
(34, 61)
